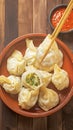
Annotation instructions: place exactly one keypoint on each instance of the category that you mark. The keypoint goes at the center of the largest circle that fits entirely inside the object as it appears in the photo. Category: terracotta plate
(11, 101)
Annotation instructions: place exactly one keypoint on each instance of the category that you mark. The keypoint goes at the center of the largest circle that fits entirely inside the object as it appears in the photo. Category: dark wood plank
(68, 122)
(25, 17)
(40, 123)
(9, 118)
(2, 17)
(1, 123)
(68, 116)
(55, 121)
(68, 109)
(2, 20)
(11, 20)
(25, 123)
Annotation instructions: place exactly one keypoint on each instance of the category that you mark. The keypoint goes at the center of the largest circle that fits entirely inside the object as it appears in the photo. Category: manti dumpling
(44, 75)
(30, 52)
(54, 56)
(16, 63)
(48, 98)
(60, 78)
(31, 79)
(11, 84)
(27, 98)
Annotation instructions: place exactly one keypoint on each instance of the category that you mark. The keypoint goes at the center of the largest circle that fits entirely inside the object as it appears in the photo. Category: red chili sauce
(57, 16)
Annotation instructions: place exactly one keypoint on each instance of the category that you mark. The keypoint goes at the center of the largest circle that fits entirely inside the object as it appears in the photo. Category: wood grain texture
(40, 123)
(39, 18)
(2, 23)
(11, 20)
(1, 115)
(9, 121)
(9, 118)
(65, 1)
(67, 121)
(25, 123)
(25, 16)
(55, 121)
(68, 116)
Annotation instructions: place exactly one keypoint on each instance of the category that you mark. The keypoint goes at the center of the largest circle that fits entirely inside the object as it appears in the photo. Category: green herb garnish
(33, 79)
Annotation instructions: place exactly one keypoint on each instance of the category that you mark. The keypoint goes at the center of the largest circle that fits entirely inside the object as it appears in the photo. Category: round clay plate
(11, 100)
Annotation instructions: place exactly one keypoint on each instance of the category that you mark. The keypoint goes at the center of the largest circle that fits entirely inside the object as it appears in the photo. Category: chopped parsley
(33, 79)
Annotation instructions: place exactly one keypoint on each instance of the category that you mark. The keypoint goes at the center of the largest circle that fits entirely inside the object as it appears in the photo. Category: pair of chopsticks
(58, 27)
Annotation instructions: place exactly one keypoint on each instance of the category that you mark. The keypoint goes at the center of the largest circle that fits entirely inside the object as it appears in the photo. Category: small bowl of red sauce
(55, 16)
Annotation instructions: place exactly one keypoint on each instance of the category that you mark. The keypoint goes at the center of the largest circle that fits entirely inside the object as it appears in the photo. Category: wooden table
(19, 17)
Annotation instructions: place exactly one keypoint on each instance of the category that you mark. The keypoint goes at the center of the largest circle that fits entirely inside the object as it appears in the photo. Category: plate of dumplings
(32, 88)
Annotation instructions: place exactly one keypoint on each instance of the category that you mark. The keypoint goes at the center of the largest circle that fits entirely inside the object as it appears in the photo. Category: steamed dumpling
(60, 78)
(27, 98)
(30, 53)
(4, 79)
(16, 63)
(11, 84)
(48, 98)
(31, 79)
(44, 75)
(30, 67)
(53, 57)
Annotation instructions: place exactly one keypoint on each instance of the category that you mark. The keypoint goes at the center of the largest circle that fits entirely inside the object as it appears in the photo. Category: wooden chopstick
(58, 27)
